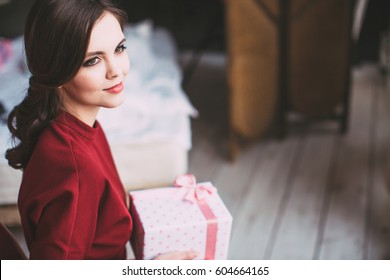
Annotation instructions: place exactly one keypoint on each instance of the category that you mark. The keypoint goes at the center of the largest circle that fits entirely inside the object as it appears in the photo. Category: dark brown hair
(56, 38)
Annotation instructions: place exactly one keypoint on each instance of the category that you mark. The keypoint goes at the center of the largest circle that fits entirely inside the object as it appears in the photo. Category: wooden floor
(315, 195)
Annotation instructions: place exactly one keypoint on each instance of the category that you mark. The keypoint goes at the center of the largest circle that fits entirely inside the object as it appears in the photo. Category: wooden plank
(232, 179)
(208, 91)
(202, 159)
(271, 196)
(378, 245)
(343, 235)
(258, 210)
(297, 233)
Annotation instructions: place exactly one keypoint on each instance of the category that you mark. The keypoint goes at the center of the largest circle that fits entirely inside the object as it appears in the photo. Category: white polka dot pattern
(173, 224)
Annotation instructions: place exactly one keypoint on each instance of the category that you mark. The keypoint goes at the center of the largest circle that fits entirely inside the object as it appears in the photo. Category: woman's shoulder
(52, 150)
(51, 161)
(62, 134)
(53, 138)
(63, 145)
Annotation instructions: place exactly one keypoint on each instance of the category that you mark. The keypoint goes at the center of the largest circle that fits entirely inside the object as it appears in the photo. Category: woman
(71, 200)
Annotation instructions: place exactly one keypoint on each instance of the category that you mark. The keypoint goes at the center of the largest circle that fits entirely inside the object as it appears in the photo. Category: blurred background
(292, 101)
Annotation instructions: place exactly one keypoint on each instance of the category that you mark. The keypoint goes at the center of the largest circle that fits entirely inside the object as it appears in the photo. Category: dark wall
(190, 21)
(193, 21)
(197, 23)
(377, 20)
(12, 17)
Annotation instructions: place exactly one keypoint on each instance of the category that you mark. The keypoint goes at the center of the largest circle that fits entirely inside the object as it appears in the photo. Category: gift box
(186, 216)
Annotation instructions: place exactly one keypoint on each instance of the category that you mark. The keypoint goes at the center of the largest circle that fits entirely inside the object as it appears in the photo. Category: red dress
(72, 202)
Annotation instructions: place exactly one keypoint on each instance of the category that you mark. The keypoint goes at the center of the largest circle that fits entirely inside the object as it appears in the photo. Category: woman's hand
(186, 255)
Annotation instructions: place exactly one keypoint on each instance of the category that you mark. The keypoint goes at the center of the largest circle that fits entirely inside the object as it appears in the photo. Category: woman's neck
(87, 117)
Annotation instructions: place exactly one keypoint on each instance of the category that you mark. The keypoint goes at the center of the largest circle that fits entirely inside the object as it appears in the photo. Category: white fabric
(139, 166)
(155, 107)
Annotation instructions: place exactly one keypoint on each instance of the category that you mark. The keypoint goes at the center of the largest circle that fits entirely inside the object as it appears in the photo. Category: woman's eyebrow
(101, 52)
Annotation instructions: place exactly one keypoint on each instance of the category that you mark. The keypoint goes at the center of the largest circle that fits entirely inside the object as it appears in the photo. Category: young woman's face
(99, 81)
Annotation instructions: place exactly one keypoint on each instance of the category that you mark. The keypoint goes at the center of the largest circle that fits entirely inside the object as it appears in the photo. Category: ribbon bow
(193, 192)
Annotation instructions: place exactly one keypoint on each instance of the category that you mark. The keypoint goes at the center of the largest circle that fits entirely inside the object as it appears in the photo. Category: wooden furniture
(9, 214)
(287, 56)
(9, 246)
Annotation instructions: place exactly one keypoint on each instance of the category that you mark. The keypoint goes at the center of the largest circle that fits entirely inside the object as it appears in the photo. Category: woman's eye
(120, 49)
(91, 62)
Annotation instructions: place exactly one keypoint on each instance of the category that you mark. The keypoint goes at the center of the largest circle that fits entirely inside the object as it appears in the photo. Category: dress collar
(77, 125)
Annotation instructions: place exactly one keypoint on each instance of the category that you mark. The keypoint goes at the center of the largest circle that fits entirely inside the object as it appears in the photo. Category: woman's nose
(113, 70)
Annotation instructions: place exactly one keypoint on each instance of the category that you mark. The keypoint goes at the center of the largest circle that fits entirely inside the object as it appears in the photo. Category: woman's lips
(115, 89)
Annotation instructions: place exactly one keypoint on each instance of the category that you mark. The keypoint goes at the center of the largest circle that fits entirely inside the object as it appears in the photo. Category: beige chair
(286, 56)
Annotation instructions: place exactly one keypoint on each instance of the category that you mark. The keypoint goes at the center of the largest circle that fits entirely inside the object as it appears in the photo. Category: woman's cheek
(127, 65)
(91, 80)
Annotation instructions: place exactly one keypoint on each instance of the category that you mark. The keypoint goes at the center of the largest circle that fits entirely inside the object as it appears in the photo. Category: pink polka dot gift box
(186, 216)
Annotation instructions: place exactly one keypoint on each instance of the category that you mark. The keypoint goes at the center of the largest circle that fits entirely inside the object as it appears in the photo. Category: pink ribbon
(197, 193)
(193, 192)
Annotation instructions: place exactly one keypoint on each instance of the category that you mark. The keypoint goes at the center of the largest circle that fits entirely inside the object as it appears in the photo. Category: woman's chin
(115, 103)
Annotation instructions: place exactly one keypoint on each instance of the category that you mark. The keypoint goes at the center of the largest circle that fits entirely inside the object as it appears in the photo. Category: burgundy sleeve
(61, 217)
